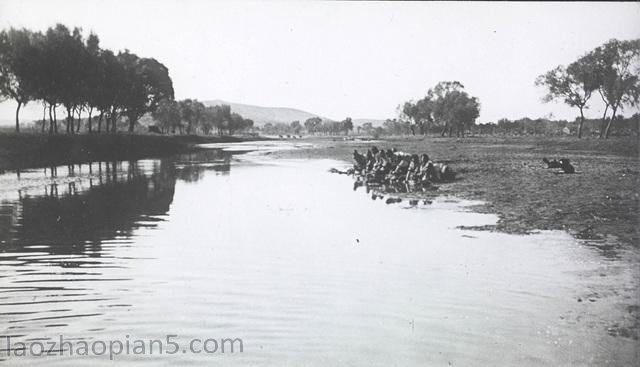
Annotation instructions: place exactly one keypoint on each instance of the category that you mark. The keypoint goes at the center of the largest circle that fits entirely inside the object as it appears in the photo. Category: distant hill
(262, 115)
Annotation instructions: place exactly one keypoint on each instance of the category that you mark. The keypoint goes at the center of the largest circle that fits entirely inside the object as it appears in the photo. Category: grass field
(600, 201)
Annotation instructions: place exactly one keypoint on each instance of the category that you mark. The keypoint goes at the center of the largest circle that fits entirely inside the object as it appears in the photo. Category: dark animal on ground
(552, 164)
(566, 166)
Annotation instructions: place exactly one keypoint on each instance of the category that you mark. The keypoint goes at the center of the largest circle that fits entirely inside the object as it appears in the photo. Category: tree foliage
(191, 116)
(446, 105)
(62, 67)
(612, 70)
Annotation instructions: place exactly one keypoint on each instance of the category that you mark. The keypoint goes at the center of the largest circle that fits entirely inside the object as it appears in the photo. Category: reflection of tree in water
(71, 220)
(192, 166)
(97, 202)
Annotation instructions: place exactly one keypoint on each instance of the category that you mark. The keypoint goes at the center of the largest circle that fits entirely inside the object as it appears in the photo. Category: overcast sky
(338, 59)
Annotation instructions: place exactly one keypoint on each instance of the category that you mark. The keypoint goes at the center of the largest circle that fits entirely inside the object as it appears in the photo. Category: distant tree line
(611, 71)
(313, 126)
(447, 106)
(192, 117)
(542, 126)
(524, 126)
(63, 68)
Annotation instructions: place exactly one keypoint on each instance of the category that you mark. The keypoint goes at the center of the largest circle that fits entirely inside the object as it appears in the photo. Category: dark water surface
(303, 269)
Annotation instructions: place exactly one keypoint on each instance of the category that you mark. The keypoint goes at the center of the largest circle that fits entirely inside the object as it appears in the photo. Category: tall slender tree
(17, 68)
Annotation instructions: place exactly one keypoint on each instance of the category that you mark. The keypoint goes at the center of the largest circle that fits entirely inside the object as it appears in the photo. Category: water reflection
(396, 192)
(192, 166)
(290, 259)
(68, 240)
(71, 210)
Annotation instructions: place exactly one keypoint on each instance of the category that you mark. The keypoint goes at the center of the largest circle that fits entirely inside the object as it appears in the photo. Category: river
(301, 267)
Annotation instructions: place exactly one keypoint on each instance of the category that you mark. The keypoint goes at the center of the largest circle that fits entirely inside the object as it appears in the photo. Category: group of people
(393, 166)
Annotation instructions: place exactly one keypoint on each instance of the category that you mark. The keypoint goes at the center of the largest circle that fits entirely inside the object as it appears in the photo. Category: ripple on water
(306, 271)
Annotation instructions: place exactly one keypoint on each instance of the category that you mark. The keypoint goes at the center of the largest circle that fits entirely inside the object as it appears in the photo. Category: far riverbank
(19, 151)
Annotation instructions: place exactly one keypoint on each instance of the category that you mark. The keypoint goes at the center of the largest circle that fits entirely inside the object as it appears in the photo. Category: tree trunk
(50, 119)
(79, 121)
(450, 130)
(69, 121)
(114, 118)
(607, 131)
(17, 118)
(604, 115)
(581, 124)
(132, 122)
(444, 130)
(55, 119)
(44, 115)
(89, 122)
(100, 121)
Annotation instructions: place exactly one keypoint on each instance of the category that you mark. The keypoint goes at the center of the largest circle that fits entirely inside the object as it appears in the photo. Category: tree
(236, 122)
(296, 127)
(192, 113)
(17, 67)
(110, 97)
(93, 76)
(223, 118)
(452, 107)
(573, 84)
(419, 112)
(396, 127)
(268, 128)
(147, 83)
(70, 54)
(616, 65)
(167, 114)
(198, 113)
(312, 124)
(347, 125)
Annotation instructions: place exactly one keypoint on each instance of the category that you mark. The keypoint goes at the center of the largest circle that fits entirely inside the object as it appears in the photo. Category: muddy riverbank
(599, 203)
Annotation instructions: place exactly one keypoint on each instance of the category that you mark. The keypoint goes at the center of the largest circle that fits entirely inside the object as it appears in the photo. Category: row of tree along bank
(312, 125)
(61, 68)
(611, 70)
(193, 117)
(625, 126)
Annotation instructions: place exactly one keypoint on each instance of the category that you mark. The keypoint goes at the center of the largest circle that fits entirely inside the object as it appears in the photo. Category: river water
(293, 261)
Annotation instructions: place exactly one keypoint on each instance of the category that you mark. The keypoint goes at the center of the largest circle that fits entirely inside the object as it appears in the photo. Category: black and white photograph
(319, 183)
